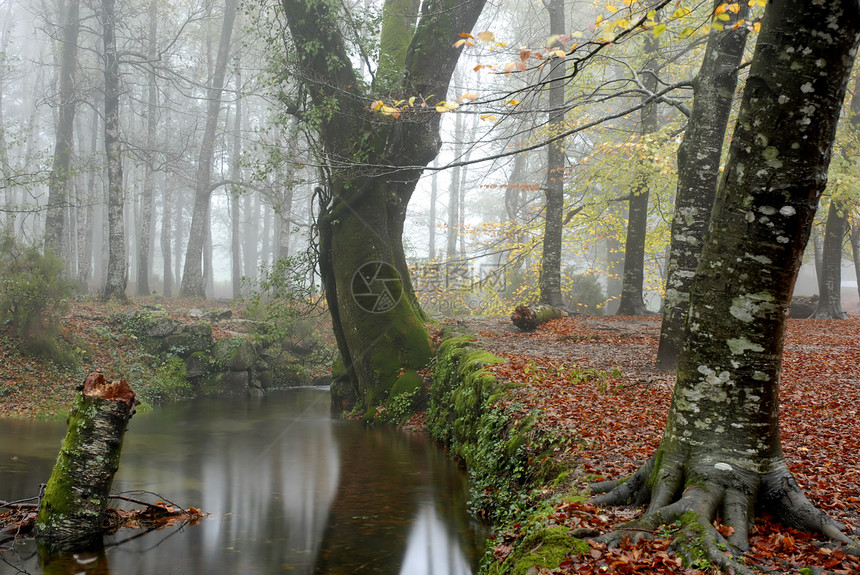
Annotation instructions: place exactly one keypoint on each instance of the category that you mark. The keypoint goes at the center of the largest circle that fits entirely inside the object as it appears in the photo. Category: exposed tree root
(690, 496)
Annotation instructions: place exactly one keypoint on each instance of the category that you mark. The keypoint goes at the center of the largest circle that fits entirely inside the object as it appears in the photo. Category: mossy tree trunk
(377, 321)
(73, 508)
(698, 175)
(721, 453)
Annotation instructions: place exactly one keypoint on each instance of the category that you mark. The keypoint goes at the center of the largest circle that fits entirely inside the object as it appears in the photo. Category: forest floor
(595, 382)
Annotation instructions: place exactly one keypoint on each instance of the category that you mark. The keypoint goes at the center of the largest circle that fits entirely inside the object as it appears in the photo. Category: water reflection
(290, 490)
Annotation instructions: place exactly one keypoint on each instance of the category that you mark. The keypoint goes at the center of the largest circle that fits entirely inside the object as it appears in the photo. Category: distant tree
(117, 269)
(193, 284)
(830, 280)
(721, 452)
(58, 186)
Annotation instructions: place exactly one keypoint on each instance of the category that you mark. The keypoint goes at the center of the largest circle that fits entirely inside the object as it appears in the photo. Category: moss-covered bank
(512, 479)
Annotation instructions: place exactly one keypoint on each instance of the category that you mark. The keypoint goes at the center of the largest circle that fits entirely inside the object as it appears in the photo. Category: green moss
(545, 548)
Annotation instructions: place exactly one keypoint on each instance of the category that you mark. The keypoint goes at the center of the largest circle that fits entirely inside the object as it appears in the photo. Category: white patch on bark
(723, 466)
(760, 376)
(741, 344)
(787, 211)
(760, 259)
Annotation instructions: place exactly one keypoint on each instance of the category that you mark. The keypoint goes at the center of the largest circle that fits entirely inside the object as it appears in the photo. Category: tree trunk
(145, 223)
(527, 318)
(117, 270)
(855, 251)
(721, 452)
(252, 207)
(550, 274)
(236, 175)
(73, 508)
(58, 184)
(166, 239)
(454, 193)
(377, 321)
(193, 282)
(633, 278)
(431, 224)
(830, 283)
(698, 175)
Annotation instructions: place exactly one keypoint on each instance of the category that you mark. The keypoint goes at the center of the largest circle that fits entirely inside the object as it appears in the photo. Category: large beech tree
(698, 175)
(721, 453)
(372, 164)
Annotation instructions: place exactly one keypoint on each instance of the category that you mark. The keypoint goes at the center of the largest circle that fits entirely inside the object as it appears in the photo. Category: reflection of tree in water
(400, 507)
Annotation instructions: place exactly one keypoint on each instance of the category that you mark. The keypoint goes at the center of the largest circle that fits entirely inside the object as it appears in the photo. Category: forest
(667, 191)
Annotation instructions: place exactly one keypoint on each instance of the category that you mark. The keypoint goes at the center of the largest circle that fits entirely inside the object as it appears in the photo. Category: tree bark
(236, 175)
(377, 321)
(117, 269)
(721, 452)
(58, 185)
(73, 508)
(698, 175)
(193, 282)
(633, 276)
(550, 271)
(431, 224)
(148, 192)
(527, 318)
(830, 282)
(454, 193)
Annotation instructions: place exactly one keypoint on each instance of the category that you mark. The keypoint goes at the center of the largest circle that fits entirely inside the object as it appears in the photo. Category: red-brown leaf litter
(596, 383)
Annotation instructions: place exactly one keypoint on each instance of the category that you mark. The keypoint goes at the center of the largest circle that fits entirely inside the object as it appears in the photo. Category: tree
(60, 169)
(633, 276)
(721, 453)
(117, 271)
(550, 275)
(377, 321)
(193, 284)
(698, 173)
(146, 200)
(830, 280)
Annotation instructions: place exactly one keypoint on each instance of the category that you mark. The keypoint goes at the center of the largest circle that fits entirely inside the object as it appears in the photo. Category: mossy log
(74, 506)
(527, 318)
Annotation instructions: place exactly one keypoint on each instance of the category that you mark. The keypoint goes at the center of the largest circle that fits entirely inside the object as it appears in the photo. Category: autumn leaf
(486, 36)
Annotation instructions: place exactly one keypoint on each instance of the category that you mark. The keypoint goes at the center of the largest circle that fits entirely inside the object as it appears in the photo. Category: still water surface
(290, 490)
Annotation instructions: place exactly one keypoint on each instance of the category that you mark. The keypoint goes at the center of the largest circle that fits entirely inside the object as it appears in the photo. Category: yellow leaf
(658, 30)
(486, 36)
(466, 35)
(723, 17)
(652, 14)
(490, 117)
(376, 105)
(734, 8)
(458, 43)
(715, 25)
(559, 53)
(623, 23)
(612, 8)
(686, 32)
(721, 8)
(756, 27)
(412, 101)
(510, 67)
(471, 96)
(681, 12)
(512, 102)
(444, 106)
(599, 19)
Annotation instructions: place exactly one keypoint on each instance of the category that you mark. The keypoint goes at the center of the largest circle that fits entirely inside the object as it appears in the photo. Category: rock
(242, 326)
(190, 338)
(217, 315)
(197, 364)
(231, 383)
(235, 353)
(194, 313)
(162, 326)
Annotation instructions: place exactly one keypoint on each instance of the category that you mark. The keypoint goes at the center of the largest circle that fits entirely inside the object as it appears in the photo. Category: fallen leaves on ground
(596, 384)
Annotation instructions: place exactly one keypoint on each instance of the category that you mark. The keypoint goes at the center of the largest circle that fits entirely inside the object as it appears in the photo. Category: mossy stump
(74, 506)
(527, 318)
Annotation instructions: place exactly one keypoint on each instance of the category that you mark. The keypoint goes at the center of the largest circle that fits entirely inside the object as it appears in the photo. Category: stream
(288, 490)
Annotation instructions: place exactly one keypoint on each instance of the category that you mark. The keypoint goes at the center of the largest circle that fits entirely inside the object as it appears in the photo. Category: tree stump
(527, 318)
(74, 505)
